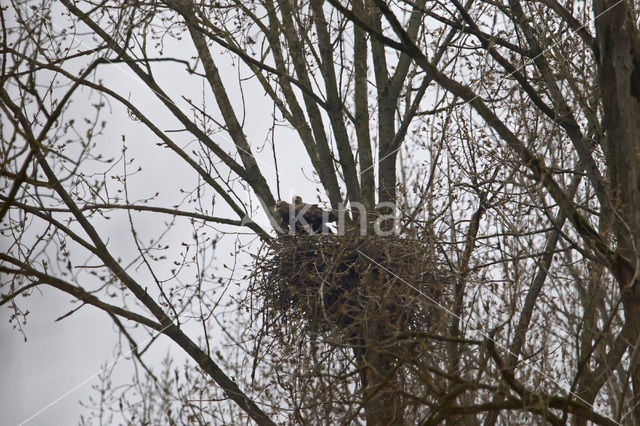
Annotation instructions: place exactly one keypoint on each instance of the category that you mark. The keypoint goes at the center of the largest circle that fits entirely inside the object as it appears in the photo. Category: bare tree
(504, 133)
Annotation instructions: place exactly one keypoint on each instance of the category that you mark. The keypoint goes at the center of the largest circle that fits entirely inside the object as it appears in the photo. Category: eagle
(306, 218)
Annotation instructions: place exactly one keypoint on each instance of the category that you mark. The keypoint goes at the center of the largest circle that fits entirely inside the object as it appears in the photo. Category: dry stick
(461, 279)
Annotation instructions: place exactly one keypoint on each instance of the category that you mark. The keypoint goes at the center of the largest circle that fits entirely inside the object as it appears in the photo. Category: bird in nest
(306, 218)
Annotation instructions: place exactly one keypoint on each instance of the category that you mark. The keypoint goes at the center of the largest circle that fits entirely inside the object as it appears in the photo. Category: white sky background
(58, 356)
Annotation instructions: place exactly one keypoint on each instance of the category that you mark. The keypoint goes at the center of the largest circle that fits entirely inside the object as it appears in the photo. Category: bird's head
(280, 205)
(297, 200)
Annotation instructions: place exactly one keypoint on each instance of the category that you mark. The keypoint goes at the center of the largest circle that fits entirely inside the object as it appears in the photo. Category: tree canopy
(493, 143)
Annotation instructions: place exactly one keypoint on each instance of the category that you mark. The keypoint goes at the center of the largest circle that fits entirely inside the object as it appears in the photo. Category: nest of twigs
(347, 283)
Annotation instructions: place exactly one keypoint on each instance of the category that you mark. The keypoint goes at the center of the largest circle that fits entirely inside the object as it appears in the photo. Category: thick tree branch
(334, 103)
(253, 174)
(73, 290)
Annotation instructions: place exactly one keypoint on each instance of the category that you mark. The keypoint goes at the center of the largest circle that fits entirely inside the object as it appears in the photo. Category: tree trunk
(382, 401)
(619, 73)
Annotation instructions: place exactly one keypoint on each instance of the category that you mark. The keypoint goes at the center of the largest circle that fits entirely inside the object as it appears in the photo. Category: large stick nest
(349, 283)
